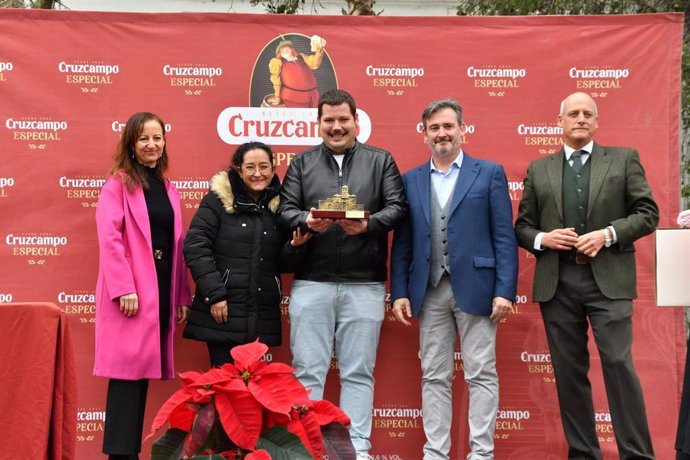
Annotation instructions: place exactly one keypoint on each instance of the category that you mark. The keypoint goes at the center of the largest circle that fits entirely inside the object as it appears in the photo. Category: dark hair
(238, 156)
(337, 97)
(125, 157)
(435, 106)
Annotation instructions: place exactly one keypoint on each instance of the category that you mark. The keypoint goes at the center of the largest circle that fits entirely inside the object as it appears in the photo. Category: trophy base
(340, 214)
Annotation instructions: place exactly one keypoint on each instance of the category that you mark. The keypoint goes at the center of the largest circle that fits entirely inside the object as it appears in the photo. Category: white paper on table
(672, 267)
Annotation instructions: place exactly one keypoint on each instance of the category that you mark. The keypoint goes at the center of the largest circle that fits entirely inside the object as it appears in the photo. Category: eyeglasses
(263, 168)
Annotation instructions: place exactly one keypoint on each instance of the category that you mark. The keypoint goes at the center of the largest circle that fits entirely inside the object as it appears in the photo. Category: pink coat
(129, 348)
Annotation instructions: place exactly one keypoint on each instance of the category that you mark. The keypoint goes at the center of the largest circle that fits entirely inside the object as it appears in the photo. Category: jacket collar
(347, 152)
(229, 188)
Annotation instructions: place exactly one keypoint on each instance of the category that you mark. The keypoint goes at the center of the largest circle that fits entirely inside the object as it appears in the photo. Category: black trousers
(126, 399)
(219, 353)
(124, 421)
(683, 433)
(577, 304)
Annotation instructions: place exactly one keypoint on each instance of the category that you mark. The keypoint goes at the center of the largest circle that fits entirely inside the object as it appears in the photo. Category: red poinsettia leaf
(246, 355)
(308, 430)
(275, 392)
(240, 416)
(262, 368)
(177, 399)
(188, 378)
(279, 392)
(231, 369)
(295, 427)
(214, 376)
(327, 412)
(231, 386)
(182, 417)
(271, 419)
(299, 394)
(278, 368)
(258, 455)
(201, 428)
(257, 367)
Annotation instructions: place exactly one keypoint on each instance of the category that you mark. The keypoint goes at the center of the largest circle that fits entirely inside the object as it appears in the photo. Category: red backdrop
(69, 81)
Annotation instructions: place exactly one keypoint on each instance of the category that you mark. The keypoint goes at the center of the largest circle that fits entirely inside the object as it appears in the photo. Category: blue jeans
(350, 313)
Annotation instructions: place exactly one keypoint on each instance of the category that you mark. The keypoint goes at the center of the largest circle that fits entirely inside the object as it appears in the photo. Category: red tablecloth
(38, 385)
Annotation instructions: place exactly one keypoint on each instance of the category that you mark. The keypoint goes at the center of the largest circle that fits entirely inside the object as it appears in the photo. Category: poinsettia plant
(251, 410)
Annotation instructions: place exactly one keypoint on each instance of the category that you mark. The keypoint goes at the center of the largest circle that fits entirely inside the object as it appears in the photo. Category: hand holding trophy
(341, 206)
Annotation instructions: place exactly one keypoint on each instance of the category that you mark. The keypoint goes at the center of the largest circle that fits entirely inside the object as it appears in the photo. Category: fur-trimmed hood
(231, 191)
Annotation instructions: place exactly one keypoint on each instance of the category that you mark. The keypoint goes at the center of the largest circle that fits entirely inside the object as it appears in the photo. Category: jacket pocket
(477, 195)
(484, 262)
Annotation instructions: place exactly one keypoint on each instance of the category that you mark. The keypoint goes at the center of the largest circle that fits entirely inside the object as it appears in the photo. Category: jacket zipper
(280, 289)
(338, 244)
(254, 205)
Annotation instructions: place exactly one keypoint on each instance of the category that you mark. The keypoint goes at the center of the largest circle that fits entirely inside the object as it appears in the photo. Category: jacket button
(207, 299)
(259, 289)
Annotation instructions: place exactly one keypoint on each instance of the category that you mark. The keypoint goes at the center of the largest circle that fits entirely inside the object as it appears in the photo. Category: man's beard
(446, 151)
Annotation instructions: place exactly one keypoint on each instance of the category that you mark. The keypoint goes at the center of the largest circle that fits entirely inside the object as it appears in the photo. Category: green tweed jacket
(619, 195)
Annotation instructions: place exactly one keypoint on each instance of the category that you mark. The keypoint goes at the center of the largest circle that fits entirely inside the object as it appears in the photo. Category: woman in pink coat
(142, 286)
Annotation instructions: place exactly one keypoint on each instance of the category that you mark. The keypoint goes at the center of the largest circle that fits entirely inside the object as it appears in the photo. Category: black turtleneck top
(161, 216)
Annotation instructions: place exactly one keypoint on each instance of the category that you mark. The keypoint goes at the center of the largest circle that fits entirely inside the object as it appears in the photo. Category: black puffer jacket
(371, 174)
(233, 249)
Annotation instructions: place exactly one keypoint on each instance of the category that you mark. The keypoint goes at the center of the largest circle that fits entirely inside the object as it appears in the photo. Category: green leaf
(169, 446)
(283, 445)
(685, 192)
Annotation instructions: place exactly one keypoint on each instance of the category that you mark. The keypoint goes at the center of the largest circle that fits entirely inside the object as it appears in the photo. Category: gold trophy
(341, 206)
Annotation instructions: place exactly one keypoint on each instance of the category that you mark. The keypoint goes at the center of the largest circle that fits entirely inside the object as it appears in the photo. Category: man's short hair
(337, 97)
(561, 111)
(435, 106)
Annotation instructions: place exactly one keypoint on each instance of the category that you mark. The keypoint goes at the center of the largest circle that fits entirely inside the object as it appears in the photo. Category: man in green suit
(581, 211)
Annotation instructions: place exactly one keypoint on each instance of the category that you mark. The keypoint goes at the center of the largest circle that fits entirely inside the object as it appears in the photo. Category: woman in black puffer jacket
(234, 250)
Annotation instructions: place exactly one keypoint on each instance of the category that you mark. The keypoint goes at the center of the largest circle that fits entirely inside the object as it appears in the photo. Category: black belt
(577, 258)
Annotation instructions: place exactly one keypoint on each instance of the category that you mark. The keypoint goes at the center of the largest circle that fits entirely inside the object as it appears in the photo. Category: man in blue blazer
(454, 264)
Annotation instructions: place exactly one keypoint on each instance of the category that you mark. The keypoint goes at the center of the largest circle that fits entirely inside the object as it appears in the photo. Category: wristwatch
(608, 239)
